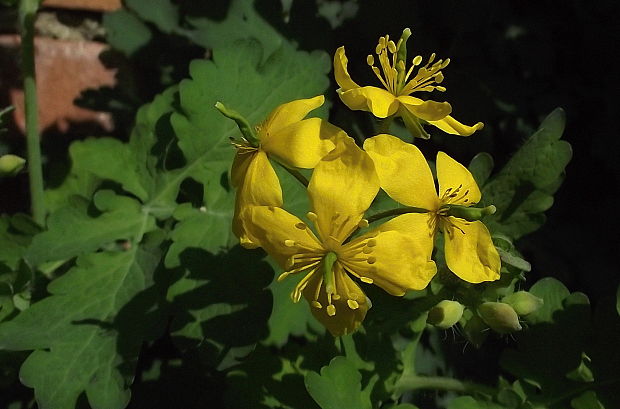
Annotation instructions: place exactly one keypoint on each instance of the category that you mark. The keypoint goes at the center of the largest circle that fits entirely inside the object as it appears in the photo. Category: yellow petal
(240, 166)
(403, 171)
(396, 262)
(342, 187)
(454, 176)
(470, 253)
(346, 319)
(278, 232)
(454, 127)
(303, 144)
(340, 71)
(380, 102)
(259, 186)
(287, 114)
(426, 110)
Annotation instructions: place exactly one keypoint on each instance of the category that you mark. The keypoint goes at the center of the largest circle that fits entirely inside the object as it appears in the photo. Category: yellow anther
(336, 297)
(312, 216)
(353, 304)
(441, 89)
(392, 47)
(439, 77)
(431, 59)
(445, 63)
(301, 226)
(371, 242)
(316, 304)
(367, 280)
(417, 60)
(289, 243)
(370, 60)
(371, 260)
(363, 223)
(331, 310)
(367, 250)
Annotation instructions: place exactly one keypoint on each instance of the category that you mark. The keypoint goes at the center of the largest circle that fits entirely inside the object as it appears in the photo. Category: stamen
(312, 217)
(301, 226)
(363, 223)
(353, 304)
(391, 47)
(335, 297)
(366, 280)
(371, 242)
(367, 250)
(371, 260)
(331, 310)
(316, 304)
(289, 243)
(370, 60)
(417, 60)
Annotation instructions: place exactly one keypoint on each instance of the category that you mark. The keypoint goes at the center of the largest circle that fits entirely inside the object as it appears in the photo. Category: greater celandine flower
(342, 187)
(398, 85)
(289, 138)
(407, 178)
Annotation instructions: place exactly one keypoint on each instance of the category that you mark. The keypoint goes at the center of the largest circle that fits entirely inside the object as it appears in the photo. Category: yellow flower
(399, 84)
(406, 177)
(289, 138)
(342, 188)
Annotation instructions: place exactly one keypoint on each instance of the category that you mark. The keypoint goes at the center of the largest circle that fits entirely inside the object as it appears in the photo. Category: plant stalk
(414, 382)
(27, 13)
(395, 212)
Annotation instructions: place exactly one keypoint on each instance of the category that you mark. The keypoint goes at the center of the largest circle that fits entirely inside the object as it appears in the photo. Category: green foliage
(337, 386)
(581, 356)
(522, 191)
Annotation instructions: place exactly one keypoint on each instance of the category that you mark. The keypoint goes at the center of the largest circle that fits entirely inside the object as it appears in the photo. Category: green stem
(395, 212)
(384, 125)
(296, 174)
(414, 382)
(27, 13)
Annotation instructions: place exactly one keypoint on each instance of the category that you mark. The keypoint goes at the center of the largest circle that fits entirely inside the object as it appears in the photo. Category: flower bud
(10, 165)
(445, 314)
(523, 302)
(502, 318)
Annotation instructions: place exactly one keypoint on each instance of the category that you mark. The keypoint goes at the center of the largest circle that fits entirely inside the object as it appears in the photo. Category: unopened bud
(523, 302)
(470, 213)
(445, 314)
(10, 165)
(502, 318)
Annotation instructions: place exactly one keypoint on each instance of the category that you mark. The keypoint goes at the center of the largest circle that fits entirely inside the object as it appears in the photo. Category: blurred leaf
(126, 32)
(481, 167)
(163, 13)
(338, 386)
(523, 189)
(586, 400)
(80, 342)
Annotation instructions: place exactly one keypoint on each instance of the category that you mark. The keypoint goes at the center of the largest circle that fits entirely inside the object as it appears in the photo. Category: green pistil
(328, 272)
(469, 213)
(246, 129)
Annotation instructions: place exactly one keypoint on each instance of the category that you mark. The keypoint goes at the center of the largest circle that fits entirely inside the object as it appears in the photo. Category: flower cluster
(334, 250)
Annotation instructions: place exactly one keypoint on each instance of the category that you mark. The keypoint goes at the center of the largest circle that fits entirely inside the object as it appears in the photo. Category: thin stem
(296, 174)
(395, 212)
(27, 12)
(414, 382)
